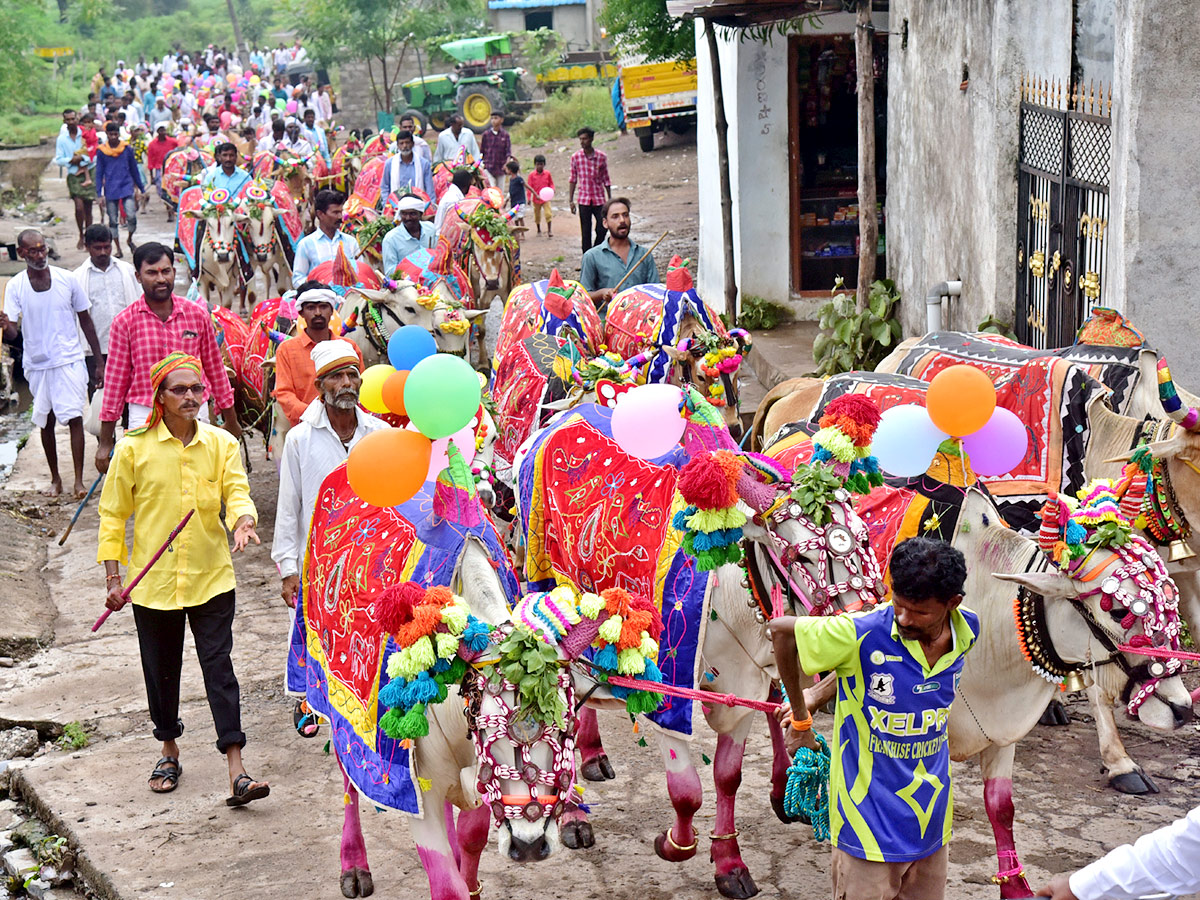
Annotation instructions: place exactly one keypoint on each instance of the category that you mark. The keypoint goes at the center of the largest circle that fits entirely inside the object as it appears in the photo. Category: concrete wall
(952, 154)
(1095, 39)
(571, 23)
(1154, 259)
(356, 101)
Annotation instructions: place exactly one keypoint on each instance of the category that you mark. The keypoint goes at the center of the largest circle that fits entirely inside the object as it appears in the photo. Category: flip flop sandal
(306, 721)
(168, 775)
(243, 793)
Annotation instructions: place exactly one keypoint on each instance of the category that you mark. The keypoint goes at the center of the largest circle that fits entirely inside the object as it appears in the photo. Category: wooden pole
(868, 224)
(731, 287)
(242, 52)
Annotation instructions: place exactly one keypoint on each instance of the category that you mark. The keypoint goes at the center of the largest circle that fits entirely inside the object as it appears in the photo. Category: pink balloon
(546, 194)
(225, 120)
(998, 446)
(291, 106)
(646, 421)
(464, 440)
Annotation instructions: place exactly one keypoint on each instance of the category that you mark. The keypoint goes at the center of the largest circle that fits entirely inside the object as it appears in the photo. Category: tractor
(485, 80)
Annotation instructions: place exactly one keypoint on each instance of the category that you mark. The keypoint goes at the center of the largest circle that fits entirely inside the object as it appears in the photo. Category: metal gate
(1062, 209)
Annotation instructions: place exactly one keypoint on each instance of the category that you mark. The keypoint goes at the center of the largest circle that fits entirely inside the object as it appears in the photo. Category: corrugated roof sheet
(532, 4)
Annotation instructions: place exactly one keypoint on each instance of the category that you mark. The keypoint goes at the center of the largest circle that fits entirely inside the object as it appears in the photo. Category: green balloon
(441, 395)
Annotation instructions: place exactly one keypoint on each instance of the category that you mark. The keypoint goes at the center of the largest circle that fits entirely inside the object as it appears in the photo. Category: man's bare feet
(81, 245)
(55, 490)
(80, 490)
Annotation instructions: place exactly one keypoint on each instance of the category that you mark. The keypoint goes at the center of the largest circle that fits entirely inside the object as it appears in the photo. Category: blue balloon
(906, 440)
(408, 345)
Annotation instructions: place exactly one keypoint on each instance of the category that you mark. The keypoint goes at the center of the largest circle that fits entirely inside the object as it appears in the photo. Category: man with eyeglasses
(159, 472)
(160, 322)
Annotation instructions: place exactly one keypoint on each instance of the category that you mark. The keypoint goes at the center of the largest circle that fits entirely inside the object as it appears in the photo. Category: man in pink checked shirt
(149, 329)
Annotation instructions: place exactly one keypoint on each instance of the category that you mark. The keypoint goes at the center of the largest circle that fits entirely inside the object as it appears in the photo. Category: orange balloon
(960, 400)
(387, 467)
(393, 393)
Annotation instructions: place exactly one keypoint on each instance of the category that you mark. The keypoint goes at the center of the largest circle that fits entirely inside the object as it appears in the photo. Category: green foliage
(992, 325)
(646, 28)
(761, 315)
(532, 666)
(813, 487)
(74, 737)
(564, 113)
(493, 223)
(543, 49)
(853, 339)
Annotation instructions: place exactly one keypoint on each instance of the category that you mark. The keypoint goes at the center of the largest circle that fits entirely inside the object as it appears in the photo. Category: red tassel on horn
(1050, 532)
(1133, 497)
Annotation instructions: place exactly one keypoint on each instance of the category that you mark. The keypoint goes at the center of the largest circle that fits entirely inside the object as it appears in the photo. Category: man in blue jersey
(897, 670)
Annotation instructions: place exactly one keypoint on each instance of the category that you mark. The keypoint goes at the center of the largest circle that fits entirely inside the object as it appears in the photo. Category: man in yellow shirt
(158, 473)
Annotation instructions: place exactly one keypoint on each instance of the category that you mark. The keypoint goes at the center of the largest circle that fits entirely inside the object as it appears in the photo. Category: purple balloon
(999, 445)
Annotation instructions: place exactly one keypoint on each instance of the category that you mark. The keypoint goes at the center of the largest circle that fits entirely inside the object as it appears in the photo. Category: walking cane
(641, 259)
(79, 508)
(140, 575)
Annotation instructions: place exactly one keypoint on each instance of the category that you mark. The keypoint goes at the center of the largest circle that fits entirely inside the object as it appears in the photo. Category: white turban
(317, 295)
(290, 121)
(330, 355)
(410, 202)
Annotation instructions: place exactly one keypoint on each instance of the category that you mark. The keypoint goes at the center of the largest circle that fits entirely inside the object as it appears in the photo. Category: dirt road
(189, 846)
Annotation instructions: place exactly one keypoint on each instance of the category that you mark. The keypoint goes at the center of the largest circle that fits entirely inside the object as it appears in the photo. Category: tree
(646, 28)
(868, 224)
(379, 32)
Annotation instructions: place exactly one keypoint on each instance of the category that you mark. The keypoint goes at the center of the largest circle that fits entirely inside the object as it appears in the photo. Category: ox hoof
(577, 835)
(777, 805)
(598, 769)
(1135, 782)
(1055, 715)
(357, 883)
(670, 850)
(737, 884)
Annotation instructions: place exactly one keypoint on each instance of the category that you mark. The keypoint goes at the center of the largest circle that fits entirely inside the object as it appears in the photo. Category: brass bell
(1074, 682)
(1179, 550)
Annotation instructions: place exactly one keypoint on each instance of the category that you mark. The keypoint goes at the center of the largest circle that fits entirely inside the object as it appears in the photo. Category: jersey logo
(926, 688)
(881, 687)
(877, 657)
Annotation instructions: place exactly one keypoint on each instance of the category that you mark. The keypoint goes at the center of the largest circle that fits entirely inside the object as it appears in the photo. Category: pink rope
(657, 687)
(1160, 652)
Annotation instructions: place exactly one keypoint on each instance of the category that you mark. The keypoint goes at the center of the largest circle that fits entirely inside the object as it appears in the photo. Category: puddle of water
(14, 427)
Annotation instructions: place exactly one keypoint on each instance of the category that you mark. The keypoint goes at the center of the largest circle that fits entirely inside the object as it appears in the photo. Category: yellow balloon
(370, 395)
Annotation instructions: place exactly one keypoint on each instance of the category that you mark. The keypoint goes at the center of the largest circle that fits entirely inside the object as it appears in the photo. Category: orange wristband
(804, 724)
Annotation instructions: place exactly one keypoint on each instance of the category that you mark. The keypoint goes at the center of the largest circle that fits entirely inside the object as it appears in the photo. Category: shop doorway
(823, 145)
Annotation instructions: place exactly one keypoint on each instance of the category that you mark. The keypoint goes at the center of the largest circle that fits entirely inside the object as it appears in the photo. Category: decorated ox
(372, 315)
(376, 627)
(367, 182)
(596, 518)
(347, 163)
(294, 172)
(678, 338)
(182, 168)
(553, 307)
(437, 272)
(267, 238)
(208, 227)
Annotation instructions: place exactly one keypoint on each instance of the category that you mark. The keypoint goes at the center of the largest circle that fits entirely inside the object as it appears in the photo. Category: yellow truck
(659, 97)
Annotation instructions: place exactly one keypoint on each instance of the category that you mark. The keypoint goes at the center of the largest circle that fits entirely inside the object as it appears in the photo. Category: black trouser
(586, 214)
(160, 636)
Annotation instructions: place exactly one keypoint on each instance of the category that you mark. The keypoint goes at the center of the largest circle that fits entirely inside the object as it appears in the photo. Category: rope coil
(807, 791)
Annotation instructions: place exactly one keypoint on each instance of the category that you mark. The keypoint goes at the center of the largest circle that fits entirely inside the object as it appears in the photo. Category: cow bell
(1074, 682)
(1179, 550)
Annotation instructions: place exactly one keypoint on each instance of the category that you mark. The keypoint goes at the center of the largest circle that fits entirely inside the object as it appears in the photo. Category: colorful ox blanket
(417, 267)
(288, 222)
(188, 233)
(651, 314)
(338, 654)
(597, 518)
(182, 168)
(1050, 395)
(525, 381)
(369, 181)
(928, 505)
(526, 312)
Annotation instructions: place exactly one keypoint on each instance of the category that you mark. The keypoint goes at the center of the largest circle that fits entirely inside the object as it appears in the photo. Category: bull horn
(1048, 534)
(1133, 496)
(1186, 417)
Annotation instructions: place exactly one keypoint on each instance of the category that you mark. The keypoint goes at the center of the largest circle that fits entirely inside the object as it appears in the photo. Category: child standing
(516, 190)
(540, 179)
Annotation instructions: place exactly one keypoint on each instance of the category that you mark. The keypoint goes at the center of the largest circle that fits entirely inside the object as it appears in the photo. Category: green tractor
(484, 81)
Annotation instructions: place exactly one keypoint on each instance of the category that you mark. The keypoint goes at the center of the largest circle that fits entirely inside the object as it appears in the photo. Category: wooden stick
(639, 262)
(79, 509)
(140, 575)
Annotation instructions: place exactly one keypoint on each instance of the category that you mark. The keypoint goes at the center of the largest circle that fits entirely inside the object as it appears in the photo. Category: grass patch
(762, 315)
(29, 129)
(565, 112)
(74, 737)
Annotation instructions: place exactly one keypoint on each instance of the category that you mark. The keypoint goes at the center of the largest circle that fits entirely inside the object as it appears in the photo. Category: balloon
(960, 400)
(408, 345)
(291, 106)
(231, 78)
(464, 440)
(546, 194)
(905, 440)
(393, 392)
(999, 445)
(254, 79)
(387, 467)
(370, 395)
(225, 117)
(441, 395)
(646, 421)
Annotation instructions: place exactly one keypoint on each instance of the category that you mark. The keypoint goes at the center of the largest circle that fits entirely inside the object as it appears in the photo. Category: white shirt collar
(316, 416)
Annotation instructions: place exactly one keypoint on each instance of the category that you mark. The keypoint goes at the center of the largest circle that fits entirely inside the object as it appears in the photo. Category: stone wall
(1154, 258)
(952, 153)
(356, 101)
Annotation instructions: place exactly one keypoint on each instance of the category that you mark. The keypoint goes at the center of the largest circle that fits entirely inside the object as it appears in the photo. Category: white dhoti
(61, 390)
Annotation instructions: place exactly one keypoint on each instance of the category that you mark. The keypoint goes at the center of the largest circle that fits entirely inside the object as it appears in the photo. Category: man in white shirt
(322, 244)
(1166, 861)
(294, 141)
(47, 300)
(420, 145)
(460, 183)
(110, 285)
(453, 139)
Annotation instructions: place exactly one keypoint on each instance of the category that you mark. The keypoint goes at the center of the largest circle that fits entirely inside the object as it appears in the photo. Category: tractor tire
(439, 120)
(421, 120)
(476, 103)
(645, 138)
